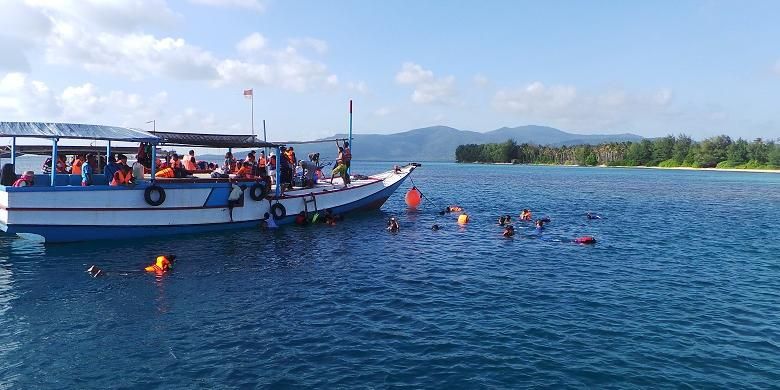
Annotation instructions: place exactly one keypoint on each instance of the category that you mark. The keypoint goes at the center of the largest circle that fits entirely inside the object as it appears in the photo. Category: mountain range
(438, 143)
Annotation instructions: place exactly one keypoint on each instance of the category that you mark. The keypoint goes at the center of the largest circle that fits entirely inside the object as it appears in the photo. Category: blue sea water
(681, 290)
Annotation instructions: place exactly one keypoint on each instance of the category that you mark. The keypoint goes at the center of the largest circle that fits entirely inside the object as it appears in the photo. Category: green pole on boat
(53, 160)
(350, 133)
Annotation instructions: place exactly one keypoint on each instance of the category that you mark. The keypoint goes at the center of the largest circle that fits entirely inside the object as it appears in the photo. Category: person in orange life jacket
(190, 164)
(300, 219)
(346, 155)
(162, 264)
(272, 168)
(87, 169)
(245, 172)
(112, 167)
(124, 176)
(27, 180)
(75, 167)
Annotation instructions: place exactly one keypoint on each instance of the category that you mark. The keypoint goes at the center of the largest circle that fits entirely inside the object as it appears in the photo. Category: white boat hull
(71, 213)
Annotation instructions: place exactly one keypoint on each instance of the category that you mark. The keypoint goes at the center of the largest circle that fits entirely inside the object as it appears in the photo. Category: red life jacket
(18, 182)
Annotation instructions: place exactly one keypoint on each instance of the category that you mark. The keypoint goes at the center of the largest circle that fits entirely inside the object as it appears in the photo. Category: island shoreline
(750, 170)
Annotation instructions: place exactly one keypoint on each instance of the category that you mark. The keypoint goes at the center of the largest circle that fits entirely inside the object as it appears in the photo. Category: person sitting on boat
(138, 169)
(509, 231)
(8, 177)
(46, 166)
(87, 169)
(27, 180)
(162, 264)
(245, 172)
(123, 177)
(115, 166)
(62, 167)
(189, 163)
(392, 225)
(526, 215)
(309, 169)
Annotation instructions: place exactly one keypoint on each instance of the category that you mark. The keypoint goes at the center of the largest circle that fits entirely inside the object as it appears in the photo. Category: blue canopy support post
(153, 169)
(54, 161)
(278, 154)
(13, 152)
(108, 153)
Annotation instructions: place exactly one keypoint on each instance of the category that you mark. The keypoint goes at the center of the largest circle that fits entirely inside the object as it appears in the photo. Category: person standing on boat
(75, 168)
(272, 168)
(346, 154)
(87, 170)
(230, 163)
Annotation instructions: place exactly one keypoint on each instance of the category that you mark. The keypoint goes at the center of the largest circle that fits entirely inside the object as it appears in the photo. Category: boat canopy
(74, 131)
(45, 150)
(212, 140)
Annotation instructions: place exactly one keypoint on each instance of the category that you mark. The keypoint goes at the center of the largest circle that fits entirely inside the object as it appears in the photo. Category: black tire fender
(148, 195)
(278, 211)
(258, 191)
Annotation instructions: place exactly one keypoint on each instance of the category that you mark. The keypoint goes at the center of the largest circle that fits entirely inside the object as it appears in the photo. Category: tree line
(669, 151)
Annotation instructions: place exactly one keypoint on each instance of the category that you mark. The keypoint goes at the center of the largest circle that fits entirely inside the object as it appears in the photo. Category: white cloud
(317, 45)
(383, 111)
(564, 105)
(428, 88)
(254, 5)
(23, 99)
(110, 15)
(481, 80)
(252, 43)
(357, 86)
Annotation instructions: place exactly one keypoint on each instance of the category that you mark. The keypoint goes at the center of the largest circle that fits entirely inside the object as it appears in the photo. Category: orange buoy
(463, 219)
(413, 197)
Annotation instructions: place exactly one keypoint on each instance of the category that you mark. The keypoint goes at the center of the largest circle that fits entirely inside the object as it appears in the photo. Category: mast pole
(252, 105)
(350, 132)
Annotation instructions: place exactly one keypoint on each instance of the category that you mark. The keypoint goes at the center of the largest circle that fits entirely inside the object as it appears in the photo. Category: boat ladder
(309, 199)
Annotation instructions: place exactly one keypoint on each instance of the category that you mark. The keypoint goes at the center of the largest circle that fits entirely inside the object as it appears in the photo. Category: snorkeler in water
(392, 225)
(509, 231)
(590, 215)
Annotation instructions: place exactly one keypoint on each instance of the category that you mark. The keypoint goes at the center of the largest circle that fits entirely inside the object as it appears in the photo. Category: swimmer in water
(392, 225)
(95, 272)
(509, 231)
(435, 227)
(592, 216)
(539, 224)
(502, 220)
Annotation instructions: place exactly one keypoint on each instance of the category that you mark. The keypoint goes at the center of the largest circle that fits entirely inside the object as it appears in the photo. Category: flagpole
(252, 104)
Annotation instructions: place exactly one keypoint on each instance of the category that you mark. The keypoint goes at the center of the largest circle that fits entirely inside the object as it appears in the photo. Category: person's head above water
(435, 227)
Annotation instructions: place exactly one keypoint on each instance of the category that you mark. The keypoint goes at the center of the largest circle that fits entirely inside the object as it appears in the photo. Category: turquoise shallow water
(682, 290)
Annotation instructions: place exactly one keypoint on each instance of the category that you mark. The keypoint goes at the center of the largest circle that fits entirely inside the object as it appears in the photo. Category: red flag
(248, 92)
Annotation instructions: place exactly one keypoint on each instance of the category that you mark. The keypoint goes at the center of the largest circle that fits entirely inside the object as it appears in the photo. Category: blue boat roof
(74, 131)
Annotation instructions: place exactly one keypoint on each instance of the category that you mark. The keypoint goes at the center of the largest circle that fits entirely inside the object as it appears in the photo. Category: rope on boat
(423, 195)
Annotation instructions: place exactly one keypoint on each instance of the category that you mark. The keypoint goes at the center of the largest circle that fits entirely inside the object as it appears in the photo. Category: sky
(701, 68)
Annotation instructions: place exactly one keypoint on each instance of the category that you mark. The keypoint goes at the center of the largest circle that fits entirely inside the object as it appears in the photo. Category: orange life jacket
(165, 172)
(161, 265)
(261, 162)
(245, 172)
(122, 178)
(76, 168)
